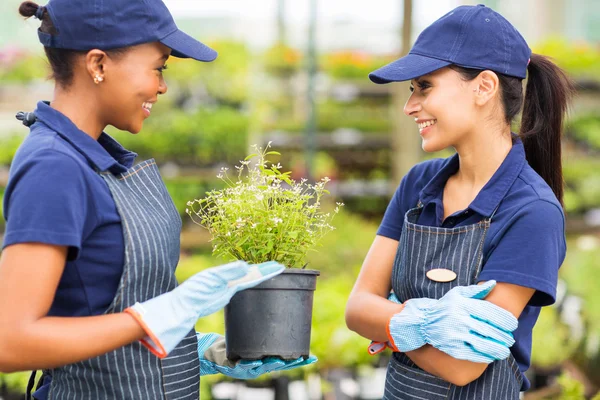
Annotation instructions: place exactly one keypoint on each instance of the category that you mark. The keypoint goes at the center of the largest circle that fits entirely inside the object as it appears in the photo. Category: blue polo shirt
(525, 244)
(55, 196)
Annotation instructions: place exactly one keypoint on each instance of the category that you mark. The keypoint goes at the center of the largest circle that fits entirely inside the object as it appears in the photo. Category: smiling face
(131, 85)
(444, 107)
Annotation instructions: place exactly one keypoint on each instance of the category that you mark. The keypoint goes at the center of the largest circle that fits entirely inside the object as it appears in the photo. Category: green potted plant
(260, 216)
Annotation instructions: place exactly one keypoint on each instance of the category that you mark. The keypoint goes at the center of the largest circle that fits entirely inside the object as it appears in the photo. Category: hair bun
(30, 9)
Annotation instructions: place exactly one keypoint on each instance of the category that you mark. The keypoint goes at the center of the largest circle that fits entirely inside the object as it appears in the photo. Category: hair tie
(39, 14)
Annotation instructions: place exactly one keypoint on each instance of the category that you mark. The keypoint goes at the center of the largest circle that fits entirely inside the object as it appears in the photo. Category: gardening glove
(168, 318)
(460, 324)
(211, 352)
(378, 347)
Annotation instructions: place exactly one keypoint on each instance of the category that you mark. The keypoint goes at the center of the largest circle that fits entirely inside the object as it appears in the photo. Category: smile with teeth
(425, 124)
(147, 106)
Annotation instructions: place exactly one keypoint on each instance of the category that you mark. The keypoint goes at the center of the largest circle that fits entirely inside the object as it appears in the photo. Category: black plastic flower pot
(273, 318)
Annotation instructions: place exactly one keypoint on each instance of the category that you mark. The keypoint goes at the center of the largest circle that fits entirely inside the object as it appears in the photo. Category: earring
(98, 78)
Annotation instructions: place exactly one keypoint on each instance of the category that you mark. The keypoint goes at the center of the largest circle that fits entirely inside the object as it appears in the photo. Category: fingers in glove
(492, 314)
(257, 274)
(490, 332)
(472, 291)
(227, 272)
(488, 347)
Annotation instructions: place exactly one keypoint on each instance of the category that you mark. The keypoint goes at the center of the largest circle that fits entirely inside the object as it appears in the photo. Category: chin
(431, 146)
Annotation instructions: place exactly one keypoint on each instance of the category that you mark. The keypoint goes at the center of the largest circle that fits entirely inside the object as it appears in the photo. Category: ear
(94, 62)
(487, 87)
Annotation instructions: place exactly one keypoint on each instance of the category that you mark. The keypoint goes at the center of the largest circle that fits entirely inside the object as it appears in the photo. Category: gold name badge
(441, 275)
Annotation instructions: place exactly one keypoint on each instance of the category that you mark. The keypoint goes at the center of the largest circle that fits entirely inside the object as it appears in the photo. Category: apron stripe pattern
(151, 229)
(423, 248)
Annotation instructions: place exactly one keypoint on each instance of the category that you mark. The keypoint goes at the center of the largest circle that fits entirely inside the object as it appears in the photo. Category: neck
(80, 108)
(480, 156)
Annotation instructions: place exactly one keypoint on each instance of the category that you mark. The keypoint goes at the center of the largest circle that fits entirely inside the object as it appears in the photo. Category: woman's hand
(211, 352)
(170, 316)
(460, 324)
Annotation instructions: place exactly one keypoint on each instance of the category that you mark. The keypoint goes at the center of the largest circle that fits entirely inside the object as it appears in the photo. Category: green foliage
(586, 129)
(184, 189)
(282, 60)
(205, 137)
(581, 273)
(571, 389)
(226, 79)
(551, 345)
(24, 70)
(256, 218)
(582, 183)
(8, 148)
(352, 64)
(365, 117)
(16, 382)
(579, 59)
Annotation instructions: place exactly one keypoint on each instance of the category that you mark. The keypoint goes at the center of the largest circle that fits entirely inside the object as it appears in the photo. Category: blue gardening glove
(168, 318)
(460, 324)
(378, 347)
(211, 352)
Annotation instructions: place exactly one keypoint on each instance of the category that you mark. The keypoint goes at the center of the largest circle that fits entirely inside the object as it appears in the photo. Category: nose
(162, 86)
(412, 105)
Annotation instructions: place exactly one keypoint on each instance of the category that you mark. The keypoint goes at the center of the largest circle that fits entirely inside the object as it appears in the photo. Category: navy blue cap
(110, 24)
(468, 36)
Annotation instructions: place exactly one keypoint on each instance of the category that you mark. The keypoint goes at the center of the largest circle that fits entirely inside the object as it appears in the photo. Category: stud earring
(98, 78)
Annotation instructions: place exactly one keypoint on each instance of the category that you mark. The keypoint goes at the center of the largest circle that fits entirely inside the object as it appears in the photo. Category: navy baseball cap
(468, 36)
(110, 24)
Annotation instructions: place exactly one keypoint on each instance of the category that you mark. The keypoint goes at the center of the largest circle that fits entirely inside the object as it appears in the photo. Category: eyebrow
(164, 57)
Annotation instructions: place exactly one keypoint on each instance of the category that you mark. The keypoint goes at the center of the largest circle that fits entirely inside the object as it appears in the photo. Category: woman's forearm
(440, 364)
(56, 341)
(368, 315)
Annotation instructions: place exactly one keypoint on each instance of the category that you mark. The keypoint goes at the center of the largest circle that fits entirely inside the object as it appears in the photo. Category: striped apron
(422, 248)
(151, 229)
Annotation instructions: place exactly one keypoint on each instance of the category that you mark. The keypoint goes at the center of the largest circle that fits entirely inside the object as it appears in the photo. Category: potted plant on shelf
(263, 215)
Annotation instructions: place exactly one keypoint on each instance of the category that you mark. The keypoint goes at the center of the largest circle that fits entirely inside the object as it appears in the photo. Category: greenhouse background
(295, 73)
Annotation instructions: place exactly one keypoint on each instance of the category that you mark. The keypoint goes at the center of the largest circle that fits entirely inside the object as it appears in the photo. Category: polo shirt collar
(104, 154)
(495, 189)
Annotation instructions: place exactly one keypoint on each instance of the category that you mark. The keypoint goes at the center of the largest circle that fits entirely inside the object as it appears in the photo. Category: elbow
(8, 358)
(464, 376)
(350, 316)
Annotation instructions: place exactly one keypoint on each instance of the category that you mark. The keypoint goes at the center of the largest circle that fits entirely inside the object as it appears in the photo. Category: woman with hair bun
(87, 285)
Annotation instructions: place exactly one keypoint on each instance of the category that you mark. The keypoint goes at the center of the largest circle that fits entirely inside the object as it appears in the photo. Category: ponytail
(547, 95)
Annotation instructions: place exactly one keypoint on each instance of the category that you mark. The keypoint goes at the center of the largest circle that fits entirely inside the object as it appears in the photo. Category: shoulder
(43, 147)
(530, 197)
(424, 171)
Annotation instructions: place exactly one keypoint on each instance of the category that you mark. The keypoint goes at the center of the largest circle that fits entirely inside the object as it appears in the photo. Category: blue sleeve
(405, 198)
(529, 250)
(46, 202)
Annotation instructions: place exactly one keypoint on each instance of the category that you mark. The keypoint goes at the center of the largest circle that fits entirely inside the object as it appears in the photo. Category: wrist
(405, 328)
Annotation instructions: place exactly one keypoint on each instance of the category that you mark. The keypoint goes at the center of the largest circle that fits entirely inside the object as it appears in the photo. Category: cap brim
(185, 46)
(406, 68)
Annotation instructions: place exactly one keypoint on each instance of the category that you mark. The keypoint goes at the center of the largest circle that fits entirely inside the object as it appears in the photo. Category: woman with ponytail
(87, 285)
(469, 246)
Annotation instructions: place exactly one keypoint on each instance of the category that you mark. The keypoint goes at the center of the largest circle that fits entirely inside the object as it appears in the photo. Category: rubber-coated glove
(211, 352)
(168, 318)
(378, 347)
(460, 324)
